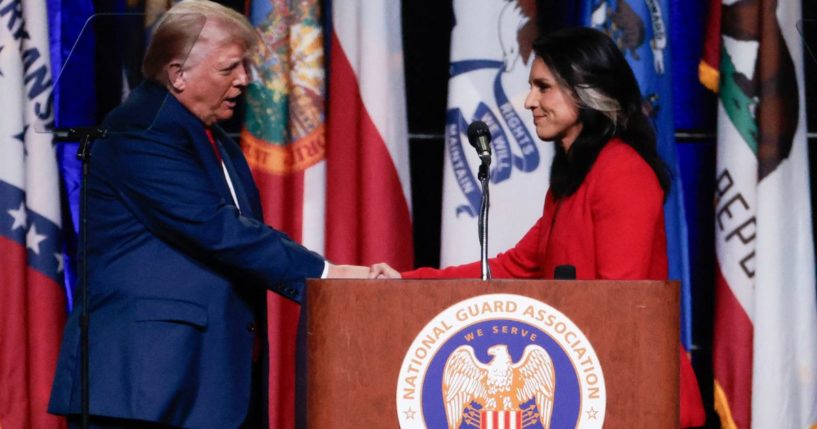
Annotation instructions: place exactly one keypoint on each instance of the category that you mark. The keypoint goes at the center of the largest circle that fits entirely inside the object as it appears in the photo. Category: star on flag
(19, 217)
(21, 136)
(33, 239)
(60, 262)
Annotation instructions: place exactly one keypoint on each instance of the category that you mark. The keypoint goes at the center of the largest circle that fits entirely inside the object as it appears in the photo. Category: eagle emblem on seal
(500, 385)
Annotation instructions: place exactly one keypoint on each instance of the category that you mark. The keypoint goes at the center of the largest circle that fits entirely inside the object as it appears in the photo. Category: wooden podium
(360, 331)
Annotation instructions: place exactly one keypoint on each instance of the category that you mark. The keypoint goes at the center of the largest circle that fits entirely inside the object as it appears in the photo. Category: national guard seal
(501, 361)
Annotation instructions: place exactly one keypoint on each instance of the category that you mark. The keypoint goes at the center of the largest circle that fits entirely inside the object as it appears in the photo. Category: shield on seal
(500, 420)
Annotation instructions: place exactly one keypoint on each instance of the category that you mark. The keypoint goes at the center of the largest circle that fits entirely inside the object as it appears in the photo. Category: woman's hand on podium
(383, 271)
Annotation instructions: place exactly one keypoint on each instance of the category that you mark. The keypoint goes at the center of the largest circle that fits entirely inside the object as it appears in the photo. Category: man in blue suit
(178, 256)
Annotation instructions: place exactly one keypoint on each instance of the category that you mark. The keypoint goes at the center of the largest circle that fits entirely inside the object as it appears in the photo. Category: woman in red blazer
(603, 212)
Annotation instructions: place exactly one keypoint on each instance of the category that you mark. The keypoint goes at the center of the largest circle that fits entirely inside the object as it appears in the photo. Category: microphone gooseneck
(480, 137)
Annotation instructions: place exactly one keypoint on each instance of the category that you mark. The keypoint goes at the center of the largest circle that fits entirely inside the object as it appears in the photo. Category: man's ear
(176, 78)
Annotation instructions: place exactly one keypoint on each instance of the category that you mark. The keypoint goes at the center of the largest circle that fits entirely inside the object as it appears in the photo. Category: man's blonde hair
(180, 28)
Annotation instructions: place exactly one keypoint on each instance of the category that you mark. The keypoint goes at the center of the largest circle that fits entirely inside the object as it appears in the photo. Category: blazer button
(251, 327)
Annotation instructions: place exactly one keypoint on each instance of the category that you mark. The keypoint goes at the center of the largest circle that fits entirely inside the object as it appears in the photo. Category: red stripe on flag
(14, 402)
(368, 218)
(732, 352)
(32, 316)
(708, 69)
(282, 200)
(692, 413)
(47, 315)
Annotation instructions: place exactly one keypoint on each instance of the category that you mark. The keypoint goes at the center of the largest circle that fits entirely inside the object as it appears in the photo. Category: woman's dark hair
(590, 66)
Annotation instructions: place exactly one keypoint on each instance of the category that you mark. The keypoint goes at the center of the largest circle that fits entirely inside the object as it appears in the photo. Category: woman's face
(555, 113)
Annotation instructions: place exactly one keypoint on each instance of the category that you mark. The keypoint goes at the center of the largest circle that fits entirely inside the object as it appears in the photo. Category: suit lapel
(184, 125)
(240, 192)
(211, 165)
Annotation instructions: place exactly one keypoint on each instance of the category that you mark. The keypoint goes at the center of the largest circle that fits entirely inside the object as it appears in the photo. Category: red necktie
(213, 143)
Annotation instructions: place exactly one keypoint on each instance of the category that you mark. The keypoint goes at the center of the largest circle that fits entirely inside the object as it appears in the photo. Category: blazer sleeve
(164, 185)
(627, 210)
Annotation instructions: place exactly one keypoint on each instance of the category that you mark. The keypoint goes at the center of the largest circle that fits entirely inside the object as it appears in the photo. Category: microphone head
(479, 135)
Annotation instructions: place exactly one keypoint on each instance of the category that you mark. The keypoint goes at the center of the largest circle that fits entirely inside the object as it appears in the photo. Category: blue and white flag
(639, 28)
(491, 57)
(73, 50)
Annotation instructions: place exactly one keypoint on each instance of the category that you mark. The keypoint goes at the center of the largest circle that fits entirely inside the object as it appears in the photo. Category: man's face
(213, 76)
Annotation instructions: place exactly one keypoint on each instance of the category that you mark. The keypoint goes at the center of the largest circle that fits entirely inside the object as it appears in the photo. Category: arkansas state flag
(368, 211)
(32, 307)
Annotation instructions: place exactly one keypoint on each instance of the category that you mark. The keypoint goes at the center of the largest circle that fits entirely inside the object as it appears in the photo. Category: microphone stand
(85, 136)
(484, 177)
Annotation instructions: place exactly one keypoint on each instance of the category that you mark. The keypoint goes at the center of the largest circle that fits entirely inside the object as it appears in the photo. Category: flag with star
(32, 307)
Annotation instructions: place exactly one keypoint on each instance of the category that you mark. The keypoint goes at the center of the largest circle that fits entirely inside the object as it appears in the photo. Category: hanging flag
(765, 336)
(641, 30)
(73, 63)
(283, 140)
(368, 198)
(32, 308)
(283, 135)
(491, 55)
(708, 68)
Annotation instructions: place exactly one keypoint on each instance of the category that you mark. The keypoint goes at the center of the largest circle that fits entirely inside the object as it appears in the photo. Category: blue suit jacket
(176, 272)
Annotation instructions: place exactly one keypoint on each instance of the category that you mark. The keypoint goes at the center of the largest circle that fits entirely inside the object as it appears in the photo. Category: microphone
(480, 138)
(564, 272)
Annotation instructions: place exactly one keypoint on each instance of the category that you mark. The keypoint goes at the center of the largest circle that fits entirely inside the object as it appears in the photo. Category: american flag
(32, 300)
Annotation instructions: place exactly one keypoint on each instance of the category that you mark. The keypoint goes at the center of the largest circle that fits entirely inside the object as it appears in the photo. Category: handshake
(376, 271)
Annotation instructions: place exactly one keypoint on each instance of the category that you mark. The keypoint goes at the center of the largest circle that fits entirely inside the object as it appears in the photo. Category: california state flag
(765, 343)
